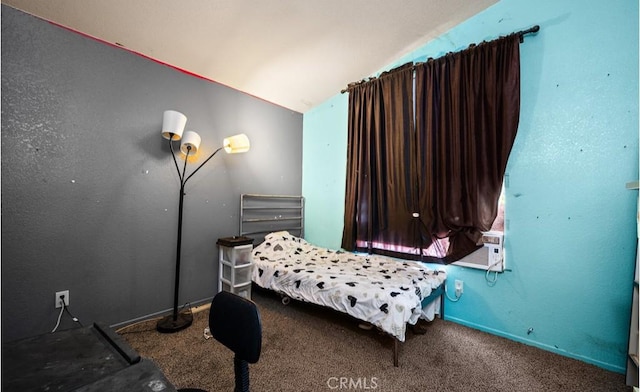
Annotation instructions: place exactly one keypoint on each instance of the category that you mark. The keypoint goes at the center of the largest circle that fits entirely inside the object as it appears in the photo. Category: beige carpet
(307, 348)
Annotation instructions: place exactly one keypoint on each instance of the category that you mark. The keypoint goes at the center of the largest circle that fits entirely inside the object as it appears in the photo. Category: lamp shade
(190, 143)
(173, 124)
(236, 144)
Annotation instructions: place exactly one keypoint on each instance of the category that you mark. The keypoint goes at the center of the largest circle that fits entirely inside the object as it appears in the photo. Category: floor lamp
(172, 129)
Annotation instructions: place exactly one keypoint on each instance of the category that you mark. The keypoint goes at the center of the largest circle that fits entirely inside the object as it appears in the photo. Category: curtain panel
(378, 190)
(426, 161)
(468, 108)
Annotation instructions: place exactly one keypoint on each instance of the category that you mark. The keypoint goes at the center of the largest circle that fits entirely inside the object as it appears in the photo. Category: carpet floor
(308, 348)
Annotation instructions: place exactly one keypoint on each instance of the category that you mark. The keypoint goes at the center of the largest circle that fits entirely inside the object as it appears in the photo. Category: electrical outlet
(459, 287)
(58, 302)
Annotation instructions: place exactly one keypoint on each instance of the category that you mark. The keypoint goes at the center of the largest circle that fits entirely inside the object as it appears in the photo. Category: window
(426, 159)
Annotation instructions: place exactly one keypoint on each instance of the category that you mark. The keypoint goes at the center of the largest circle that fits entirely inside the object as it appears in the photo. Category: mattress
(383, 291)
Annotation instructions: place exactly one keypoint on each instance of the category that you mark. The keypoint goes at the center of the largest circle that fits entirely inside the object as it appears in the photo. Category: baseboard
(553, 349)
(196, 306)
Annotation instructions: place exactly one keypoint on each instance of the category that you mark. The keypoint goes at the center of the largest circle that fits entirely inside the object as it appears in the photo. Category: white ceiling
(294, 53)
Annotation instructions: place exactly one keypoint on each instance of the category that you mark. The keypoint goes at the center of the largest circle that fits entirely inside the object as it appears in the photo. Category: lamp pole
(178, 321)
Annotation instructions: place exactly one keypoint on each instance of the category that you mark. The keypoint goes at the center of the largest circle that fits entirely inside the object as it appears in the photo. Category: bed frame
(263, 214)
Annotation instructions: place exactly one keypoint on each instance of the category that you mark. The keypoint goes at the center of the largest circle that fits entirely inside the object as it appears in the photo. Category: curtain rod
(530, 30)
(521, 33)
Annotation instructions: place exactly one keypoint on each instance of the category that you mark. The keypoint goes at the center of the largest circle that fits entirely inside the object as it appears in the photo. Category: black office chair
(235, 322)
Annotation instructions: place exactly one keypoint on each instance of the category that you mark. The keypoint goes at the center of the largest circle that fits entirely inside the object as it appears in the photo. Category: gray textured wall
(89, 189)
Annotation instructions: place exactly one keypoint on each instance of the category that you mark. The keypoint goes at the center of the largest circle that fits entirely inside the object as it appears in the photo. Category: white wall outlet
(459, 287)
(58, 302)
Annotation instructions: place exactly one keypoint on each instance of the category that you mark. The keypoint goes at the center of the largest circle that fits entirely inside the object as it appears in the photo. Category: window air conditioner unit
(490, 257)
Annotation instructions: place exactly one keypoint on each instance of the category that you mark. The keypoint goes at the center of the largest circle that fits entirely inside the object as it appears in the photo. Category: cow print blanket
(382, 291)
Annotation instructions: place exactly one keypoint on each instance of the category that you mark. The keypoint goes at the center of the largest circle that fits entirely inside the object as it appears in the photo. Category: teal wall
(570, 231)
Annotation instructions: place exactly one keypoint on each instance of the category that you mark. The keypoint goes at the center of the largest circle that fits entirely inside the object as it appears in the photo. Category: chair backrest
(235, 322)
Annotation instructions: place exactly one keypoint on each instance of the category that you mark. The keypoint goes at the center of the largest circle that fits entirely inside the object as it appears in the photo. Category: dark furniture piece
(89, 359)
(235, 322)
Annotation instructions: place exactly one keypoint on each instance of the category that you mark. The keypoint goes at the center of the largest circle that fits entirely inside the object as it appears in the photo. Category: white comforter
(382, 291)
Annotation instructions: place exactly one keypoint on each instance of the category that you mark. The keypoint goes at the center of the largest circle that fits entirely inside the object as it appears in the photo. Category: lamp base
(169, 325)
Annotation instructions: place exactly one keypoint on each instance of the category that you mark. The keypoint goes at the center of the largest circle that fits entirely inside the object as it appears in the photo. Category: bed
(382, 291)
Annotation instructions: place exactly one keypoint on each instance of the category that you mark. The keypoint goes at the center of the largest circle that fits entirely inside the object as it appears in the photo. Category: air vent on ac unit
(490, 256)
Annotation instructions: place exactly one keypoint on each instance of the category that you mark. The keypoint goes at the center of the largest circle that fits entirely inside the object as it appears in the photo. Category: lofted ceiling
(294, 53)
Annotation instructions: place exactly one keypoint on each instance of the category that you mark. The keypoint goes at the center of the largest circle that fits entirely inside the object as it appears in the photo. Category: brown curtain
(424, 185)
(468, 106)
(378, 186)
